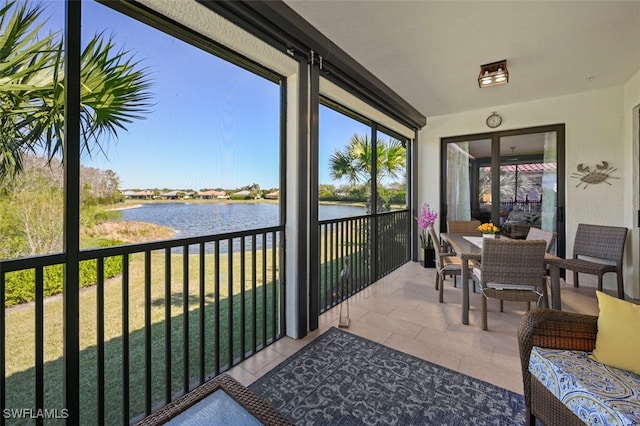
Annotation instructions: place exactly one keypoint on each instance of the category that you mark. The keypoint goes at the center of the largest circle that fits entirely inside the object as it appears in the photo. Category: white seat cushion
(477, 276)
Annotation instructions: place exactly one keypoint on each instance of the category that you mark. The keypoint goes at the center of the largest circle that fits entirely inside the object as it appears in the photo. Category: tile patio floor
(401, 311)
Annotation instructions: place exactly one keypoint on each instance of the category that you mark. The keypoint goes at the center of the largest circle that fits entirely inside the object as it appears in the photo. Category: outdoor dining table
(468, 250)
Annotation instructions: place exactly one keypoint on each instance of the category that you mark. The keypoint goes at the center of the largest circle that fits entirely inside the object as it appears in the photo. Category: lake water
(195, 219)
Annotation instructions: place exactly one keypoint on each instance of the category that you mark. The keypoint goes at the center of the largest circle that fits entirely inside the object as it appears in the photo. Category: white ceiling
(430, 52)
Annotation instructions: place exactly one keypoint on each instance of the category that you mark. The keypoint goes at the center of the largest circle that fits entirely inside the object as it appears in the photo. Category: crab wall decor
(588, 176)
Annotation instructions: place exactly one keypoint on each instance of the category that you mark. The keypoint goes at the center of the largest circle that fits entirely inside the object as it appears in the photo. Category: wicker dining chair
(466, 227)
(510, 270)
(447, 264)
(463, 227)
(550, 238)
(540, 234)
(599, 242)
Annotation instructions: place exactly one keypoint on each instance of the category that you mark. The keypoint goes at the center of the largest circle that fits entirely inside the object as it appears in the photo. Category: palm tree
(355, 161)
(354, 164)
(114, 90)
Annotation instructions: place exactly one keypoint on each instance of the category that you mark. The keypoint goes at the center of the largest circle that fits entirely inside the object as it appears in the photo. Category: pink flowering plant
(426, 219)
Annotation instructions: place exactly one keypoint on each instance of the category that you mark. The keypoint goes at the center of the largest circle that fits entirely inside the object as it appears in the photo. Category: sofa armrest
(553, 329)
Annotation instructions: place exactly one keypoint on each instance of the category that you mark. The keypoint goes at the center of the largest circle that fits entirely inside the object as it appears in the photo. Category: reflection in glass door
(528, 183)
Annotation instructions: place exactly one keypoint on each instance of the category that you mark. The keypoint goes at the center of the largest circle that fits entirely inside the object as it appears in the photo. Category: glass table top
(216, 409)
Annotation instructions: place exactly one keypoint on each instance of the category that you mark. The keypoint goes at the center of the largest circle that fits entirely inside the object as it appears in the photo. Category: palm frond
(24, 60)
(115, 89)
(354, 162)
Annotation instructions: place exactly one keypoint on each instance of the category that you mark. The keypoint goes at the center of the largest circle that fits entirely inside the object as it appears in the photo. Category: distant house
(205, 195)
(171, 195)
(212, 194)
(138, 195)
(272, 195)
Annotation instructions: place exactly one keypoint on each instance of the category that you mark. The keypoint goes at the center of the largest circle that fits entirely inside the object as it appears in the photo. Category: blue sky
(335, 132)
(212, 125)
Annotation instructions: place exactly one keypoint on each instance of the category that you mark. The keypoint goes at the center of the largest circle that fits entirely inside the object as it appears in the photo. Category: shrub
(239, 197)
(20, 285)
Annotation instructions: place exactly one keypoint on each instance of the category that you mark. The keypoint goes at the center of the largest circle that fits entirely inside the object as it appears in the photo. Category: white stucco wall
(597, 129)
(631, 136)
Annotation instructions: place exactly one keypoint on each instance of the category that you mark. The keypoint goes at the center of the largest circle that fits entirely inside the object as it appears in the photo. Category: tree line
(31, 205)
(254, 190)
(395, 193)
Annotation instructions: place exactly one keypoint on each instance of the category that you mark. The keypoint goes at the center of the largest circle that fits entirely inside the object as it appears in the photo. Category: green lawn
(20, 338)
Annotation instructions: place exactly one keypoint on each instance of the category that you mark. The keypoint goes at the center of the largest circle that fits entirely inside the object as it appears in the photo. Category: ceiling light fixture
(493, 74)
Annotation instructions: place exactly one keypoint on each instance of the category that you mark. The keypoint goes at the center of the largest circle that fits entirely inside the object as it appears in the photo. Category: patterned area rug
(342, 379)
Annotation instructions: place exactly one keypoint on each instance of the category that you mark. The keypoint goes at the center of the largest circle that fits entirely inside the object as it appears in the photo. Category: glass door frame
(558, 129)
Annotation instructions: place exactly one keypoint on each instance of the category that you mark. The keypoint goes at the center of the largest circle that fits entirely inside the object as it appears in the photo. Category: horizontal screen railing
(157, 320)
(347, 261)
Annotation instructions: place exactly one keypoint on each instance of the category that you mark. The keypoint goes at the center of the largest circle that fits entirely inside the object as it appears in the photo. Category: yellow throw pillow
(618, 339)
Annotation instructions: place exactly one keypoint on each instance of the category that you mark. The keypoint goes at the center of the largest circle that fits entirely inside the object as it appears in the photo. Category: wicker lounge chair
(548, 328)
(601, 242)
(510, 270)
(446, 264)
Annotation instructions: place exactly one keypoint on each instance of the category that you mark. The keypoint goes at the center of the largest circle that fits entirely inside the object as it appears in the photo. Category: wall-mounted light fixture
(493, 74)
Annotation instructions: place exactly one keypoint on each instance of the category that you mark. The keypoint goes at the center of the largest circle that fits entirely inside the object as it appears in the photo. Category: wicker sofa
(563, 384)
(553, 329)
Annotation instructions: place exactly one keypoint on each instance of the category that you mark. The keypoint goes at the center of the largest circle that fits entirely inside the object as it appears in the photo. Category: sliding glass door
(513, 179)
